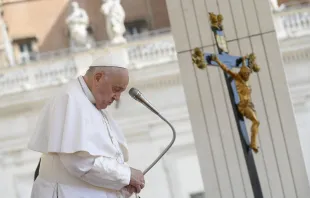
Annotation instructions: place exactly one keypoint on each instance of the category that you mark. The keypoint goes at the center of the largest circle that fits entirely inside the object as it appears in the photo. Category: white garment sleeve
(98, 171)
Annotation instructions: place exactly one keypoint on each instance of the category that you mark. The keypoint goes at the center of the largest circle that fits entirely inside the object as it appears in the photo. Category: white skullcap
(113, 58)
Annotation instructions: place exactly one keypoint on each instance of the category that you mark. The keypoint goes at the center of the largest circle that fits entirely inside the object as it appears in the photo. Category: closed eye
(117, 89)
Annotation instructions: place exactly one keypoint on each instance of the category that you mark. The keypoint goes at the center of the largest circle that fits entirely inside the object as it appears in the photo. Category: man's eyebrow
(119, 87)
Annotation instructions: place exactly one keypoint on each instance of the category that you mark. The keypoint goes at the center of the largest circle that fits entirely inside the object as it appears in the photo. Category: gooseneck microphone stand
(137, 95)
(166, 149)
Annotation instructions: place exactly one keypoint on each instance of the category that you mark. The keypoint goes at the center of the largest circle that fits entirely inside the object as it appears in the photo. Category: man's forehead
(120, 80)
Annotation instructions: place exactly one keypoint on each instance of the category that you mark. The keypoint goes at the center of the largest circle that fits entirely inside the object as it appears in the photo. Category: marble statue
(115, 16)
(78, 22)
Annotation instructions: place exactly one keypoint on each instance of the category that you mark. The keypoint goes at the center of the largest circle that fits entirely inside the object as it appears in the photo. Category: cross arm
(224, 63)
(228, 60)
(201, 60)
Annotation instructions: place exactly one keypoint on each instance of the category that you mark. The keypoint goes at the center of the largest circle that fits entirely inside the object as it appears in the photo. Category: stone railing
(54, 71)
(292, 22)
(300, 92)
(39, 56)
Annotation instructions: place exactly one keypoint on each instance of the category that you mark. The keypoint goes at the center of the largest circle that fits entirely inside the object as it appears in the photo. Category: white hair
(107, 70)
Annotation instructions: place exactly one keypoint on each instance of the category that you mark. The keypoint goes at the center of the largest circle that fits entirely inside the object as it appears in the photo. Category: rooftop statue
(78, 23)
(115, 17)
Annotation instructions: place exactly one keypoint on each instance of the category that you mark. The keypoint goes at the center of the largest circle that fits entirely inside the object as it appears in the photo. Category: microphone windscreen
(133, 92)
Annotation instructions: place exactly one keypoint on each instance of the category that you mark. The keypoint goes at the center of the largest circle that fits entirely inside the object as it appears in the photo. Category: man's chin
(101, 106)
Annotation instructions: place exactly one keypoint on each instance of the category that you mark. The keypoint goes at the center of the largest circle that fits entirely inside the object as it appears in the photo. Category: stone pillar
(6, 42)
(249, 27)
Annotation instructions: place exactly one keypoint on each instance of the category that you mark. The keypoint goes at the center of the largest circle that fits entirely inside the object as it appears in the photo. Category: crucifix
(239, 92)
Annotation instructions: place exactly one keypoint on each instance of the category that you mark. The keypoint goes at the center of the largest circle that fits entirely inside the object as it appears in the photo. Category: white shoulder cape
(70, 123)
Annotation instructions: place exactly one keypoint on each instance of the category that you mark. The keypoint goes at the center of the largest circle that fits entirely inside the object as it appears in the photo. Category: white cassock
(83, 150)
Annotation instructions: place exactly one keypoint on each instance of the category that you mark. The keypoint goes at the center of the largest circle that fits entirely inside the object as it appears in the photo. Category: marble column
(8, 48)
(249, 27)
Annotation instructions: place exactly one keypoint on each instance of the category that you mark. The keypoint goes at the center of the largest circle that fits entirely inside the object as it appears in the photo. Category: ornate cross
(239, 91)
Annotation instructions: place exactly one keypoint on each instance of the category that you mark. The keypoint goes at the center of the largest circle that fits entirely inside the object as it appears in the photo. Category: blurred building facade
(43, 61)
(38, 26)
(293, 2)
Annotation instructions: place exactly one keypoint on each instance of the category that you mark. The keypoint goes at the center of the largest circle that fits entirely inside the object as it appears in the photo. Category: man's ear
(98, 76)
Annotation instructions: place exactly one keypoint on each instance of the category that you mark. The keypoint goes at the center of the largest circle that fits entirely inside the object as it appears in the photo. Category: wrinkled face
(108, 86)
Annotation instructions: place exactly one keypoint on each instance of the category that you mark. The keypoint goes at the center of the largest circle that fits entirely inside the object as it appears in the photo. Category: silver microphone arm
(166, 149)
(137, 95)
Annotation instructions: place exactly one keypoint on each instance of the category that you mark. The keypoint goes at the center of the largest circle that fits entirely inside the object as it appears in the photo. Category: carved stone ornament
(115, 17)
(78, 23)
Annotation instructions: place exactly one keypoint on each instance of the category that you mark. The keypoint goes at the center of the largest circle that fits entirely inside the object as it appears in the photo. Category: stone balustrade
(45, 74)
(54, 71)
(292, 22)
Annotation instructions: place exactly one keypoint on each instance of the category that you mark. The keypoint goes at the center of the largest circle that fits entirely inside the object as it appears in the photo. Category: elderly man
(83, 150)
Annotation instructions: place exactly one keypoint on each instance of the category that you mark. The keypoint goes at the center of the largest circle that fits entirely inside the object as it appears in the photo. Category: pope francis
(84, 152)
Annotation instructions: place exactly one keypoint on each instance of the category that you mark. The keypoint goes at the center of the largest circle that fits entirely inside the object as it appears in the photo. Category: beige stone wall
(43, 19)
(160, 13)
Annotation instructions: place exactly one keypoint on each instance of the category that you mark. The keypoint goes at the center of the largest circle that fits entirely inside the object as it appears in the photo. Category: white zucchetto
(112, 58)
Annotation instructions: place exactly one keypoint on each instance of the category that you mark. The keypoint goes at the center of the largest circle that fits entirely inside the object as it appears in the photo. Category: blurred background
(46, 43)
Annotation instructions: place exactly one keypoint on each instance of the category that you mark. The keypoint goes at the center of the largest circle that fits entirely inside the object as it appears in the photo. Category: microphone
(137, 95)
